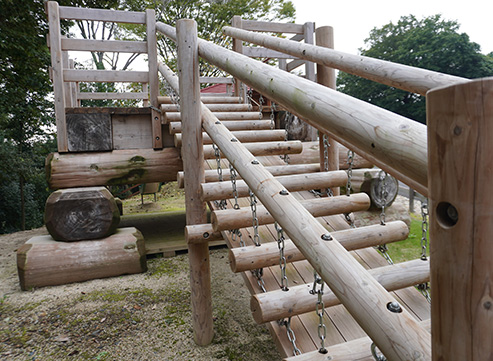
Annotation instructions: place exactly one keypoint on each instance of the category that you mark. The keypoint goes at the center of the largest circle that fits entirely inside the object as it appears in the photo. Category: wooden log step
(293, 183)
(200, 233)
(244, 136)
(266, 255)
(176, 117)
(238, 107)
(240, 218)
(76, 214)
(42, 261)
(129, 166)
(212, 176)
(175, 127)
(206, 100)
(278, 304)
(262, 148)
(359, 350)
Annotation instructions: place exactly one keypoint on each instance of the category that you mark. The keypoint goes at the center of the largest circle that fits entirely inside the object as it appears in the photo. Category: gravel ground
(136, 317)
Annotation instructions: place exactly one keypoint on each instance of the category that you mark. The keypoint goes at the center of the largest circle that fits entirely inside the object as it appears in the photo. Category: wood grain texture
(213, 107)
(262, 148)
(42, 261)
(89, 132)
(176, 117)
(244, 136)
(175, 127)
(76, 13)
(460, 165)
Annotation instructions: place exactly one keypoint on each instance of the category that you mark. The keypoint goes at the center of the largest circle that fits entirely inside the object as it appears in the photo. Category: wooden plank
(57, 75)
(131, 131)
(460, 128)
(67, 86)
(171, 108)
(106, 95)
(119, 46)
(256, 52)
(89, 132)
(226, 99)
(117, 16)
(272, 27)
(216, 80)
(157, 136)
(294, 64)
(106, 76)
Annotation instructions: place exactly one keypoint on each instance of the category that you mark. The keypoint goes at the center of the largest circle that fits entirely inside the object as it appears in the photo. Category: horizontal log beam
(262, 148)
(205, 100)
(175, 127)
(240, 218)
(272, 27)
(129, 166)
(212, 176)
(176, 117)
(256, 52)
(170, 108)
(102, 76)
(293, 183)
(106, 95)
(117, 16)
(119, 46)
(401, 76)
(200, 233)
(244, 136)
(266, 255)
(275, 305)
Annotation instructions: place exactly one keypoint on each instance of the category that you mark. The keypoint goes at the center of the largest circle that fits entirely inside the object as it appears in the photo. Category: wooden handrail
(116, 16)
(401, 76)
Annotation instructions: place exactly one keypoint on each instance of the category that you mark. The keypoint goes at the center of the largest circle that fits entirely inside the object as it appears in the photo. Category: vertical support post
(327, 76)
(157, 136)
(193, 166)
(73, 86)
(460, 169)
(238, 47)
(57, 75)
(282, 64)
(308, 32)
(66, 85)
(145, 90)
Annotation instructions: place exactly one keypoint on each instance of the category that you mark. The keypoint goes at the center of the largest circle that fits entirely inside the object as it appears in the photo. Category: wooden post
(157, 137)
(460, 166)
(239, 90)
(193, 165)
(308, 32)
(67, 86)
(57, 75)
(324, 36)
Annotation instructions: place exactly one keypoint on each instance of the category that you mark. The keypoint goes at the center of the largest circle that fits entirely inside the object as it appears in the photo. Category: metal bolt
(284, 192)
(206, 235)
(217, 122)
(394, 307)
(234, 140)
(255, 162)
(327, 237)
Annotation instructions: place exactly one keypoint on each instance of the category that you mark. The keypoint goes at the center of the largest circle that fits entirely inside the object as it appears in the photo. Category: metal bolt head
(255, 162)
(206, 235)
(217, 122)
(284, 192)
(327, 237)
(234, 140)
(394, 307)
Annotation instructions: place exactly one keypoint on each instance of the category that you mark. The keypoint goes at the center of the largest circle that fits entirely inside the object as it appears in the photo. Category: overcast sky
(352, 20)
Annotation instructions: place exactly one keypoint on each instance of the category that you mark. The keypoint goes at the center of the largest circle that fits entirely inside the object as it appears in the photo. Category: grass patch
(410, 248)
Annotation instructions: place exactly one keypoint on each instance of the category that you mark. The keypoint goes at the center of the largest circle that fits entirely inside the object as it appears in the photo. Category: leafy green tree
(430, 43)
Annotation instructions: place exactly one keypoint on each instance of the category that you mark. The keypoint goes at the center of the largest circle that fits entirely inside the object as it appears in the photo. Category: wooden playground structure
(225, 150)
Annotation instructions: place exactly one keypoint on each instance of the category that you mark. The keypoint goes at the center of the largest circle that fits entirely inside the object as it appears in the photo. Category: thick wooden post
(324, 36)
(193, 166)
(157, 137)
(239, 90)
(460, 166)
(57, 71)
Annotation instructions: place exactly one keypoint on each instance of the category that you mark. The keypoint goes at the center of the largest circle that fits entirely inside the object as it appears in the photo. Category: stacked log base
(42, 261)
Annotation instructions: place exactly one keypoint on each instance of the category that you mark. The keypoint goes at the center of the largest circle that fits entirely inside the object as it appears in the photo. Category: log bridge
(368, 310)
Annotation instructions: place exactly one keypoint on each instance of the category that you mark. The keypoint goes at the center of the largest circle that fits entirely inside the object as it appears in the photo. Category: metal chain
(175, 98)
(291, 335)
(237, 236)
(260, 107)
(322, 329)
(253, 207)
(384, 193)
(375, 354)
(258, 274)
(424, 288)
(326, 143)
(272, 115)
(350, 162)
(287, 116)
(222, 203)
(232, 173)
(385, 253)
(282, 257)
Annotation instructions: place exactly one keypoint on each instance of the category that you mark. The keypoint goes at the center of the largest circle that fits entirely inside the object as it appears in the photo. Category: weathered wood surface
(262, 148)
(267, 255)
(397, 75)
(233, 125)
(89, 132)
(460, 129)
(117, 16)
(193, 166)
(112, 168)
(121, 46)
(275, 305)
(42, 261)
(292, 183)
(153, 82)
(76, 214)
(176, 117)
(132, 131)
(272, 27)
(200, 233)
(171, 108)
(118, 96)
(239, 218)
(244, 136)
(206, 100)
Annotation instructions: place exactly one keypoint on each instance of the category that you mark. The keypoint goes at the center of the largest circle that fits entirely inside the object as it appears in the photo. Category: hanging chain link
(260, 107)
(282, 257)
(424, 288)
(291, 335)
(175, 98)
(322, 329)
(253, 207)
(233, 174)
(222, 203)
(237, 236)
(350, 162)
(272, 115)
(288, 118)
(326, 144)
(376, 355)
(385, 253)
(384, 193)
(258, 274)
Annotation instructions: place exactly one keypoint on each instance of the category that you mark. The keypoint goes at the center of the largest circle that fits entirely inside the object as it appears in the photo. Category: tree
(430, 43)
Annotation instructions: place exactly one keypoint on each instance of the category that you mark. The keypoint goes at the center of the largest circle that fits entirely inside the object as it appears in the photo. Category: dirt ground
(135, 317)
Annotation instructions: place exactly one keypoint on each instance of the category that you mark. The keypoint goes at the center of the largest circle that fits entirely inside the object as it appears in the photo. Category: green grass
(410, 248)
